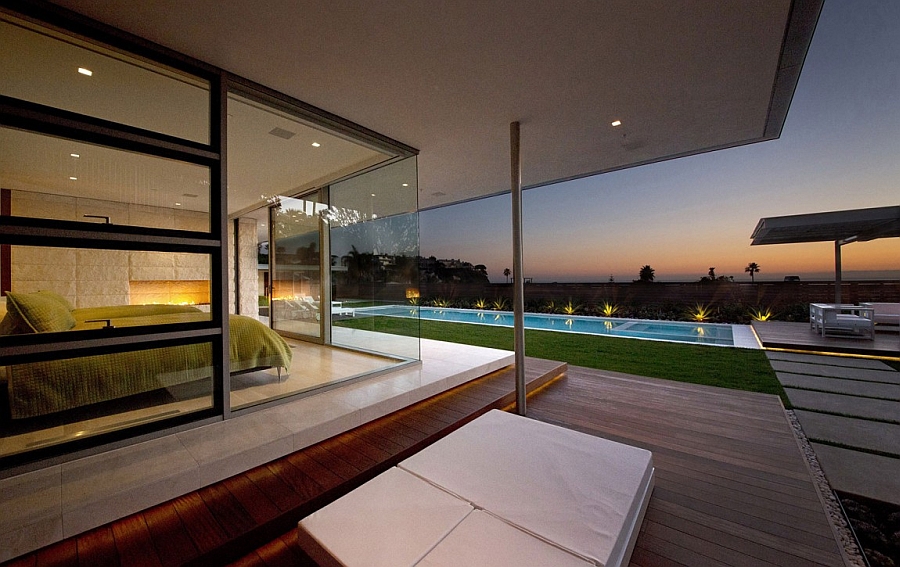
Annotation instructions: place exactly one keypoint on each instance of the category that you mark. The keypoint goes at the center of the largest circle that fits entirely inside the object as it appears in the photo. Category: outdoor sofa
(885, 313)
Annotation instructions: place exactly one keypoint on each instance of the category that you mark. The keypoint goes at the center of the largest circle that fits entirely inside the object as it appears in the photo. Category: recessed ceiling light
(177, 204)
(406, 184)
(73, 178)
(84, 71)
(75, 155)
(316, 144)
(373, 194)
(616, 122)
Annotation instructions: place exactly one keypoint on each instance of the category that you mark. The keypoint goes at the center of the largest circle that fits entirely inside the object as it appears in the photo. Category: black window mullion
(43, 347)
(33, 117)
(218, 221)
(74, 234)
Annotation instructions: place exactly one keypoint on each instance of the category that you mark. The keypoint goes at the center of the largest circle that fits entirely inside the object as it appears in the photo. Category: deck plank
(97, 547)
(134, 543)
(169, 536)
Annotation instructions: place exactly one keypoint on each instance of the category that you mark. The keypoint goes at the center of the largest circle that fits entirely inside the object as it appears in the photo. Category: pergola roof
(448, 78)
(857, 225)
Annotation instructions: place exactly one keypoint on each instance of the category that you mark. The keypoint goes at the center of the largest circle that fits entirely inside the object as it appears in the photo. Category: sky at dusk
(839, 149)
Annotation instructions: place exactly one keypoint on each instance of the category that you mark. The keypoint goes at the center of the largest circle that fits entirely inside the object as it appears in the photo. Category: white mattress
(583, 493)
(502, 490)
(393, 520)
(482, 539)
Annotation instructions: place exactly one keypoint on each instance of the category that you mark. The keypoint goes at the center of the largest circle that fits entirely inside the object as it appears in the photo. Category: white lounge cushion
(393, 520)
(483, 540)
(581, 492)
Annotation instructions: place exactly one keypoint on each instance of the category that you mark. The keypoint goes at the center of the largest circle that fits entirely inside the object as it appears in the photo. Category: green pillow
(38, 313)
(9, 325)
(56, 297)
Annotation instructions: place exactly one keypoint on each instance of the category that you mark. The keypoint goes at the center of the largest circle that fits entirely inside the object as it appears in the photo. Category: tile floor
(43, 506)
(312, 366)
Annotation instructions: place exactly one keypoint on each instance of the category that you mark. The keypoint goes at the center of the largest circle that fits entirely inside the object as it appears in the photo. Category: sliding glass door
(295, 256)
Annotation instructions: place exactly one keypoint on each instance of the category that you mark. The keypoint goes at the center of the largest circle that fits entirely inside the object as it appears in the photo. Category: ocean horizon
(847, 276)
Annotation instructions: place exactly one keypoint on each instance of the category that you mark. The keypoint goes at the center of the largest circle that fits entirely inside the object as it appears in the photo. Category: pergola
(840, 227)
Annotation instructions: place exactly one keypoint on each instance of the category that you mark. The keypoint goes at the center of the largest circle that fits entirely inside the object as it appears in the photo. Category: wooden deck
(731, 487)
(798, 336)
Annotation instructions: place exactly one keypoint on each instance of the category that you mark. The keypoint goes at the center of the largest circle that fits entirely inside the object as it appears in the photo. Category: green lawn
(737, 368)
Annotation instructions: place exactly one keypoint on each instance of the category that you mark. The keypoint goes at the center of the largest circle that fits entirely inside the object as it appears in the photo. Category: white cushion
(393, 520)
(584, 493)
(482, 539)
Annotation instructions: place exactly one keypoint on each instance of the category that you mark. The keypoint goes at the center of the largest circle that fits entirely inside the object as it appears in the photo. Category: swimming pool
(674, 331)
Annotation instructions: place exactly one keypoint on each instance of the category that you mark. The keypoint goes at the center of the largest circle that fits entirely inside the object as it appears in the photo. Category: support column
(518, 260)
(837, 272)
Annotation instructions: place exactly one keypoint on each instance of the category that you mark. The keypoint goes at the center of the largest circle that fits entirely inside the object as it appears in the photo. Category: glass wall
(64, 179)
(60, 400)
(108, 245)
(122, 263)
(43, 66)
(374, 234)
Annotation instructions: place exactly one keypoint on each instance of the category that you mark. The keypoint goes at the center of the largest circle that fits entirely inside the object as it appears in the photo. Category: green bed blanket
(41, 388)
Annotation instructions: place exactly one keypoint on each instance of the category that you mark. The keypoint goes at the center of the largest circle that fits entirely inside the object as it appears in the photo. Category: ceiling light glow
(84, 71)
(73, 178)
(406, 184)
(616, 122)
(177, 204)
(316, 144)
(75, 155)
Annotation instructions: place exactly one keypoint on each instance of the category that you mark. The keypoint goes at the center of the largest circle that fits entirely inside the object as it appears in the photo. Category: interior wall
(93, 278)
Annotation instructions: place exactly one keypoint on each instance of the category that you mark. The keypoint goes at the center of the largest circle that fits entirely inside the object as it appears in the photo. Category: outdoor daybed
(503, 490)
(41, 388)
(885, 313)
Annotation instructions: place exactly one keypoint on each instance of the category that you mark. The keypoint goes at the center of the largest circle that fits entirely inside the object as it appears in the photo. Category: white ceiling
(42, 69)
(448, 77)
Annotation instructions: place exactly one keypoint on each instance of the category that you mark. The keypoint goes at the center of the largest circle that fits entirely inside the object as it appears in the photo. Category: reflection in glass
(49, 68)
(59, 179)
(374, 239)
(296, 266)
(51, 402)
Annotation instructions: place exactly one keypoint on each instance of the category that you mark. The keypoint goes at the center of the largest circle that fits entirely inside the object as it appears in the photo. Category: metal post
(837, 272)
(518, 261)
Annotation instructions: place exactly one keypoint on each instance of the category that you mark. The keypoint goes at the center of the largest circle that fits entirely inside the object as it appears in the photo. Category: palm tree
(646, 274)
(507, 273)
(752, 268)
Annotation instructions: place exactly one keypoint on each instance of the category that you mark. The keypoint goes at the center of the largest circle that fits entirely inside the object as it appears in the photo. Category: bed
(501, 490)
(41, 388)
